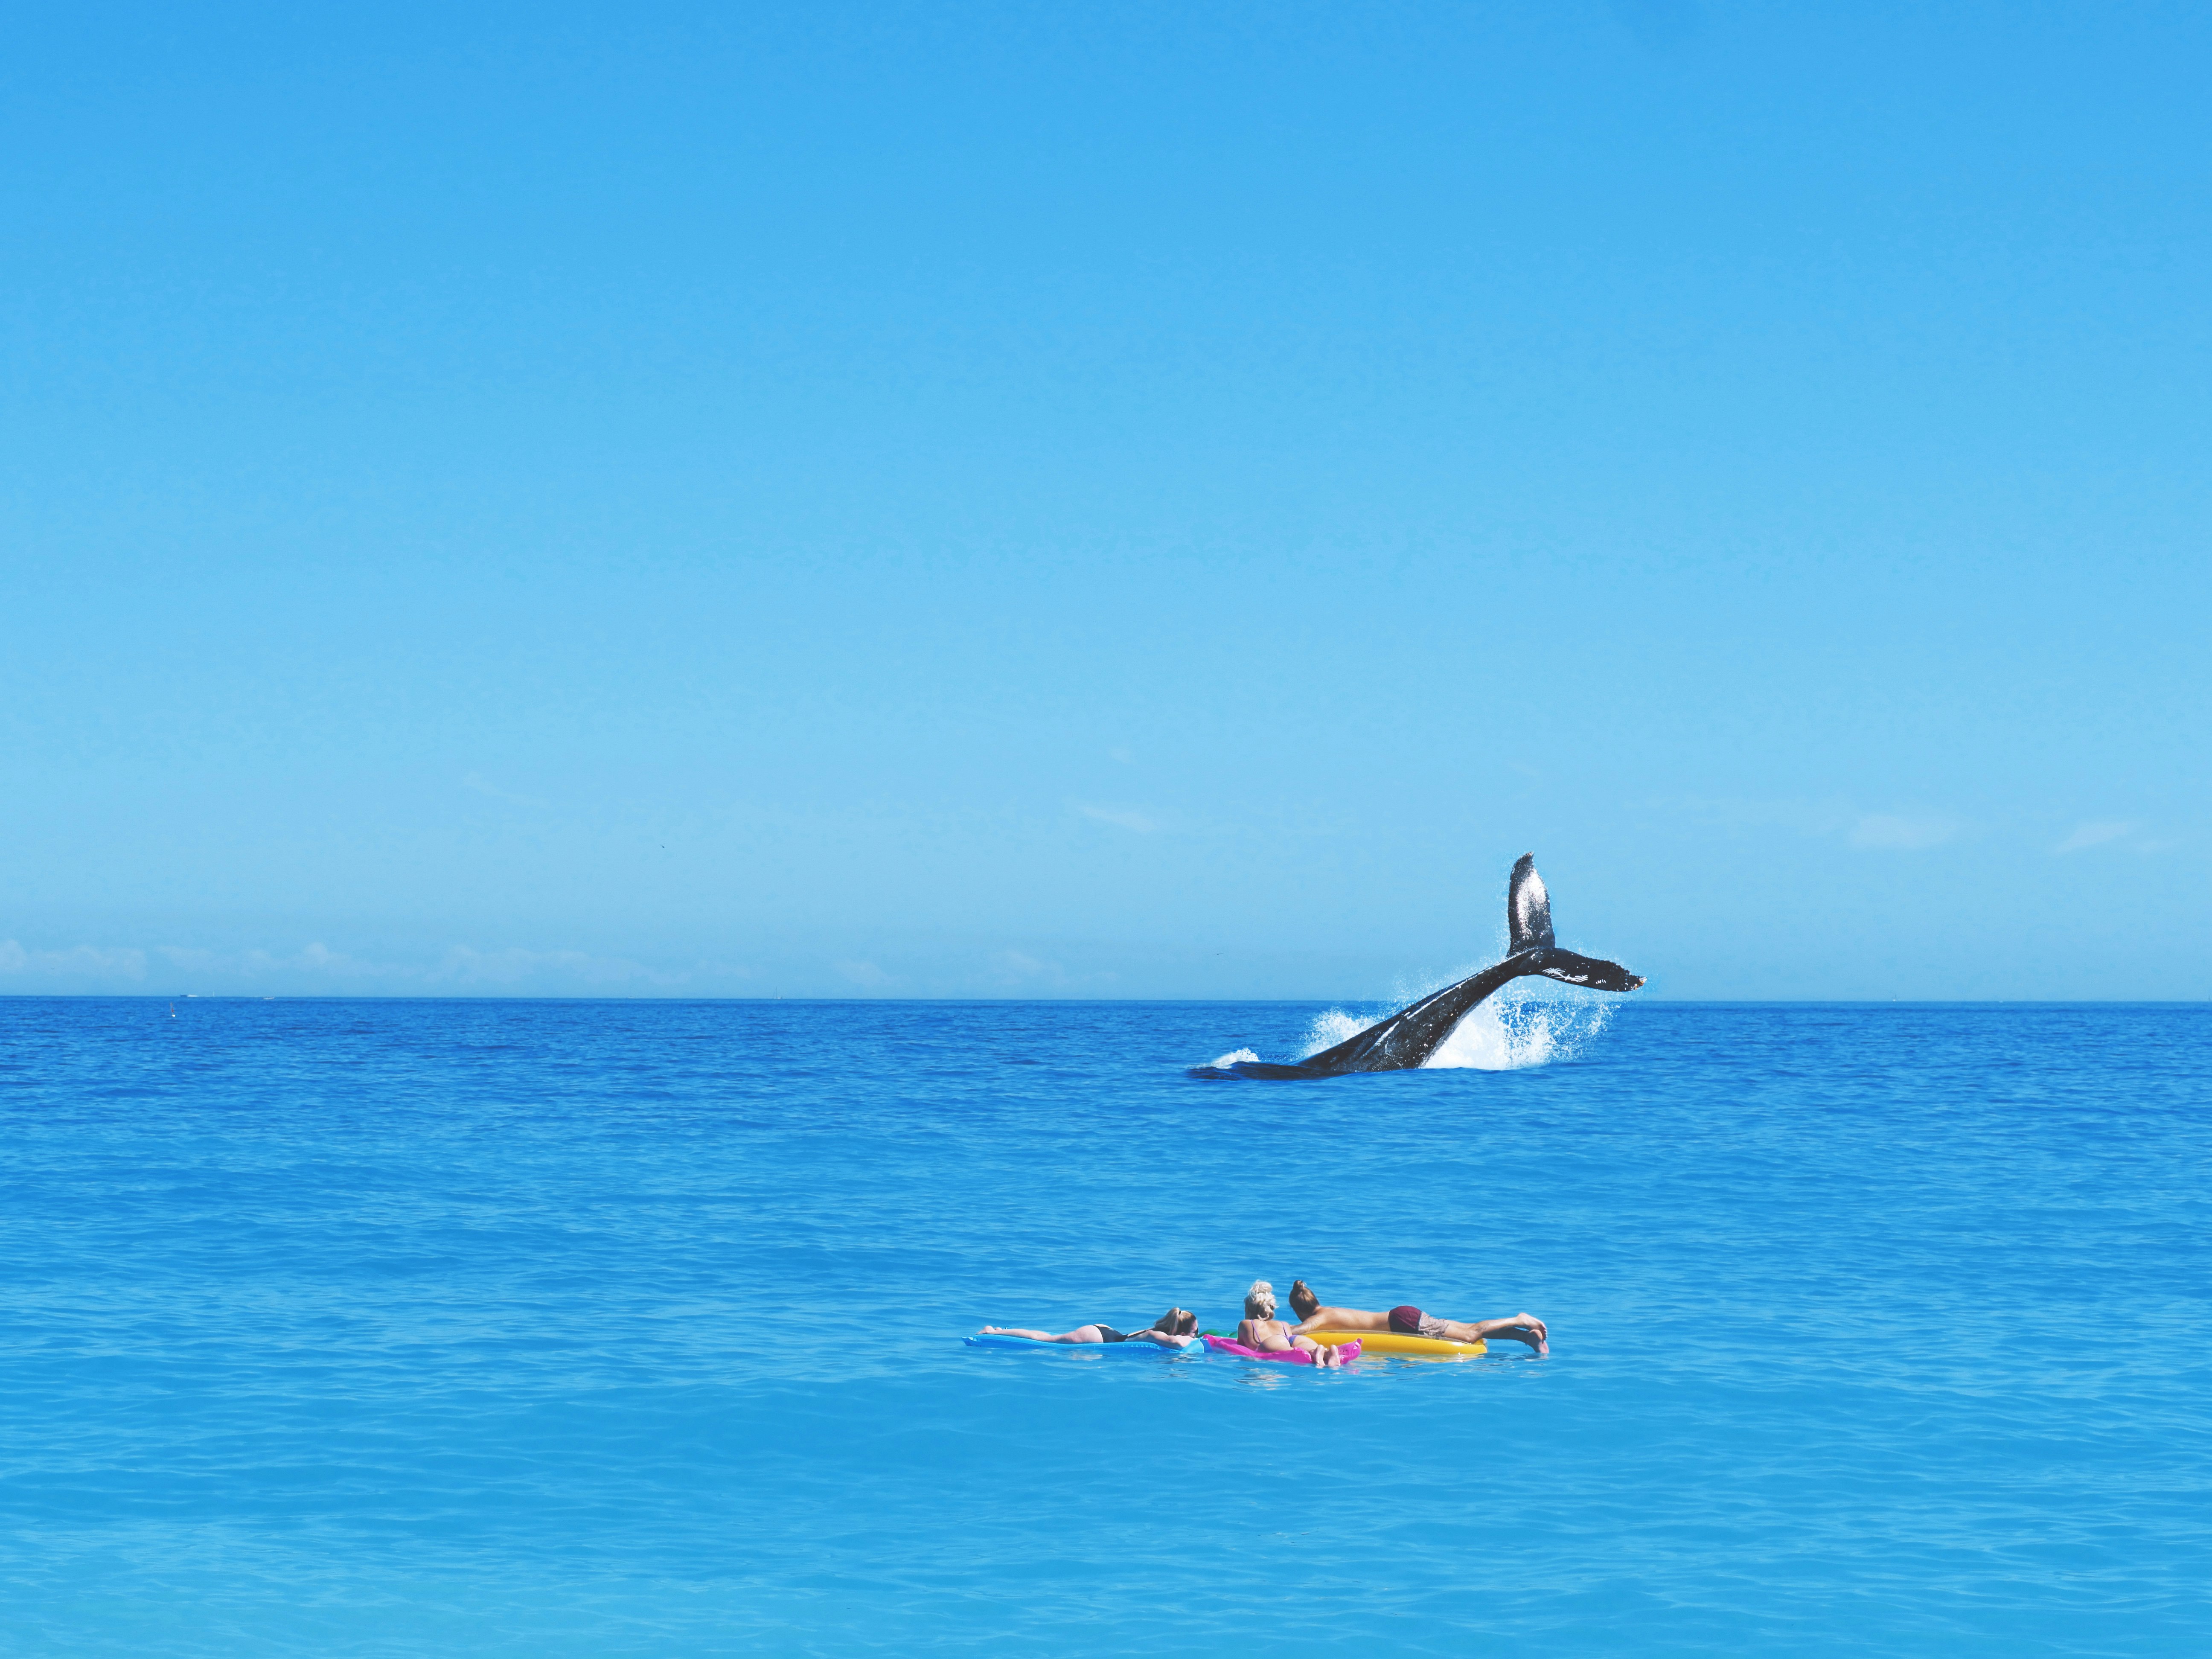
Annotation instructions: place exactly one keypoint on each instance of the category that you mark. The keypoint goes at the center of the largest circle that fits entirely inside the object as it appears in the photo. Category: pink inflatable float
(1293, 1357)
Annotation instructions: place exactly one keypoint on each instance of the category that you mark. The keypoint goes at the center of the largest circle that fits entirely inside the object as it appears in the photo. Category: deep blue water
(609, 1328)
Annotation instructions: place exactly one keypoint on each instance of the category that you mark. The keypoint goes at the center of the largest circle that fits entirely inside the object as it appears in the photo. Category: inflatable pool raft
(1289, 1357)
(1369, 1343)
(1195, 1350)
(1409, 1347)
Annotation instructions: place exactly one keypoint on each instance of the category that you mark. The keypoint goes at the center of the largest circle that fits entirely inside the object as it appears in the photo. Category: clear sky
(1125, 501)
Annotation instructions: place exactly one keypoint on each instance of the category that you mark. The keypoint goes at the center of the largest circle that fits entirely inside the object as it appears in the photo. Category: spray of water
(1523, 1025)
(1332, 1028)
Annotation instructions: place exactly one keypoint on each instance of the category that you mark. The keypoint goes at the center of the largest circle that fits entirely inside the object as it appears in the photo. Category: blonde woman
(1260, 1330)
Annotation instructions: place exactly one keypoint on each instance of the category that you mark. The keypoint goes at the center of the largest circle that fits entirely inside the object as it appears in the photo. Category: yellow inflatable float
(1421, 1347)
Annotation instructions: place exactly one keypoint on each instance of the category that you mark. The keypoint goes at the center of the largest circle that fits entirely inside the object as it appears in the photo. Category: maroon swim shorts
(1410, 1320)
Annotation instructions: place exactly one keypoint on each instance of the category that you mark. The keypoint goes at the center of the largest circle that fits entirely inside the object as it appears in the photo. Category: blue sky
(964, 500)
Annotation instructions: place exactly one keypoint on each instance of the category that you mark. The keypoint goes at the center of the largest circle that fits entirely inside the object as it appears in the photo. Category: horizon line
(1679, 1002)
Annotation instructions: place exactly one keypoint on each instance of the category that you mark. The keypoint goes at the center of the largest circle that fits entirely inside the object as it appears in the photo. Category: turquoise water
(605, 1328)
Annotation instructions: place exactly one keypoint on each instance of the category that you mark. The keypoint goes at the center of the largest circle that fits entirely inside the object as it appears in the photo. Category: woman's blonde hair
(1260, 1300)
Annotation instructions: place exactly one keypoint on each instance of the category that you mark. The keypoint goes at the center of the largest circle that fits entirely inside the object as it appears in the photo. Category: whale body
(1409, 1037)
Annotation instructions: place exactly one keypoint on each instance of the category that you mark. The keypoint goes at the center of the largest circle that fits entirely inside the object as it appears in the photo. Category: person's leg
(1519, 1327)
(1324, 1353)
(1080, 1333)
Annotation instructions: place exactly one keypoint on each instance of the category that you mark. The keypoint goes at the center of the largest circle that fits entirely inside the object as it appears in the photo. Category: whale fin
(1569, 968)
(1528, 909)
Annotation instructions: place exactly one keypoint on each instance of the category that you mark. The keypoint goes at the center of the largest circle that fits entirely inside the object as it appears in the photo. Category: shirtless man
(1411, 1321)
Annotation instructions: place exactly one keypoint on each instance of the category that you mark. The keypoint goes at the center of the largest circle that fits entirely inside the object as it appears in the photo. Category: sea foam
(1520, 1026)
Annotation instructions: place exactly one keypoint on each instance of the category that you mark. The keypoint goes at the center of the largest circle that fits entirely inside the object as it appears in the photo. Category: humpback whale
(1409, 1037)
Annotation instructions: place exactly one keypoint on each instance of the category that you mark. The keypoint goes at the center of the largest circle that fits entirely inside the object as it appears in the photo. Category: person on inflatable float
(1269, 1334)
(1172, 1329)
(1410, 1320)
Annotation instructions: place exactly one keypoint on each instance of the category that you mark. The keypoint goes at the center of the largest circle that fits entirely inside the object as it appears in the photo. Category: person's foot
(1526, 1328)
(1303, 1302)
(993, 1330)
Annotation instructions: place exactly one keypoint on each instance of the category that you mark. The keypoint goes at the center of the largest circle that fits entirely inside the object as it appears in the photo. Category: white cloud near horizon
(1901, 832)
(1020, 968)
(1894, 831)
(2095, 835)
(463, 965)
(459, 966)
(80, 961)
(1119, 816)
(477, 781)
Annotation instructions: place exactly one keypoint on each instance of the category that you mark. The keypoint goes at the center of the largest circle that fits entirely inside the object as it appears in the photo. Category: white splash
(1236, 1057)
(1520, 1026)
(1330, 1029)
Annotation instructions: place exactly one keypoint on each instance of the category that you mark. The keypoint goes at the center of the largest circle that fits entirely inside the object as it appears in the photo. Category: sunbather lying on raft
(1409, 1321)
(1262, 1330)
(1172, 1329)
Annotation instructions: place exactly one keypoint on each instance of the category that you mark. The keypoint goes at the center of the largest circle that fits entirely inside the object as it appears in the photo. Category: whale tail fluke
(1528, 909)
(1569, 968)
(1528, 915)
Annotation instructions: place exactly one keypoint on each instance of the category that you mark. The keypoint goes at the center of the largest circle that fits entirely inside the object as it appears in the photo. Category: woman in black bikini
(1172, 1329)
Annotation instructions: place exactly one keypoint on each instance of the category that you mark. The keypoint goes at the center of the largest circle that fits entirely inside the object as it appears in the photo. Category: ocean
(543, 1327)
